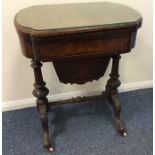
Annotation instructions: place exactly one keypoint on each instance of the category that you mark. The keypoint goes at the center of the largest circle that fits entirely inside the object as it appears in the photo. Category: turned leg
(41, 92)
(112, 94)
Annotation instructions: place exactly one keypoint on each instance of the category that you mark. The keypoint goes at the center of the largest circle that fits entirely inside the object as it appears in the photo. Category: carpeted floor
(83, 129)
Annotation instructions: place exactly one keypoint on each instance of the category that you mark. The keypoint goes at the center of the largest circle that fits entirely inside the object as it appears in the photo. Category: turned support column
(112, 94)
(40, 92)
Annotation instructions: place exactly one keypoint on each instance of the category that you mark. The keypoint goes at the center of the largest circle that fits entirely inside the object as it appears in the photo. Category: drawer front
(110, 42)
(103, 42)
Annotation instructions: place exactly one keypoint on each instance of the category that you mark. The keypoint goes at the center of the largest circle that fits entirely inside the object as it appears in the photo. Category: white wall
(18, 76)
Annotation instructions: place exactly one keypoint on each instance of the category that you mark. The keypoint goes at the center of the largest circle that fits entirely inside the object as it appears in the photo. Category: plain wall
(18, 75)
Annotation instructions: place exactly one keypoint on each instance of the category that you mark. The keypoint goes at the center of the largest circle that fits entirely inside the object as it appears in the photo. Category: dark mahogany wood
(79, 55)
(79, 99)
(80, 69)
(98, 42)
(41, 92)
(112, 94)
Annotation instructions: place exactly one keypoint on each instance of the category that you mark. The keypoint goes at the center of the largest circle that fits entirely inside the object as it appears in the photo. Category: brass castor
(123, 132)
(49, 148)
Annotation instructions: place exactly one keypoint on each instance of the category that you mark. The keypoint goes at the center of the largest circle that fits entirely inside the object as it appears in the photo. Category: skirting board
(25, 103)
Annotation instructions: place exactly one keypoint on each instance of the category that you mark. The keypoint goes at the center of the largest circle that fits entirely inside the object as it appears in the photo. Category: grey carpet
(83, 129)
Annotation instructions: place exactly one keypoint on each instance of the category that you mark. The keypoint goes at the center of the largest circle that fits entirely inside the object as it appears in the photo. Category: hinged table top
(80, 16)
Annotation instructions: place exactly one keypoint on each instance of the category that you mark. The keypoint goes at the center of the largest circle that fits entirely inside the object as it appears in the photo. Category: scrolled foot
(120, 127)
(114, 101)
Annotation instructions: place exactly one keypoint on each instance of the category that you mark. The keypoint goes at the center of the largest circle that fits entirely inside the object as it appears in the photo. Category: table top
(59, 17)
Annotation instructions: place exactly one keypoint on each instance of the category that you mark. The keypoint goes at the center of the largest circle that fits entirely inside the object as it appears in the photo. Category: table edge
(73, 30)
